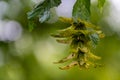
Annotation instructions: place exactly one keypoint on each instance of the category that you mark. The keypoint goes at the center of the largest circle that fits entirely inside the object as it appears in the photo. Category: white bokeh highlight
(10, 30)
(65, 8)
(114, 16)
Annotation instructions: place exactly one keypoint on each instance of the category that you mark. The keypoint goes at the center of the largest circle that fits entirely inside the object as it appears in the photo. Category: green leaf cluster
(42, 10)
(81, 9)
(81, 35)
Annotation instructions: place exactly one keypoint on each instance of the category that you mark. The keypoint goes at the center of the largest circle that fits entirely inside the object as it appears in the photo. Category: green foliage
(101, 4)
(31, 56)
(81, 10)
(42, 10)
(81, 35)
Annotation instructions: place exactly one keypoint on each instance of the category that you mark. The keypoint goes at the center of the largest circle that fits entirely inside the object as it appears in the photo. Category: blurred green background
(26, 55)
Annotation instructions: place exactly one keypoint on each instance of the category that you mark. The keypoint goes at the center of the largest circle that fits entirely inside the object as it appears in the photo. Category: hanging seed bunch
(82, 36)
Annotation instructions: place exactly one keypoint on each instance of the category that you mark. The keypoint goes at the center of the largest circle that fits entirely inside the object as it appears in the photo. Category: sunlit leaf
(63, 33)
(81, 10)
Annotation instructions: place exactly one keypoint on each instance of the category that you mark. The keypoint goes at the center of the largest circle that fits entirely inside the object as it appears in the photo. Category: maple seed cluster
(81, 36)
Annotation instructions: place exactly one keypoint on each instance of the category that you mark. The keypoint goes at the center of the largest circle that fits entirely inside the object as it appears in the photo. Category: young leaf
(101, 4)
(81, 10)
(42, 10)
(94, 38)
